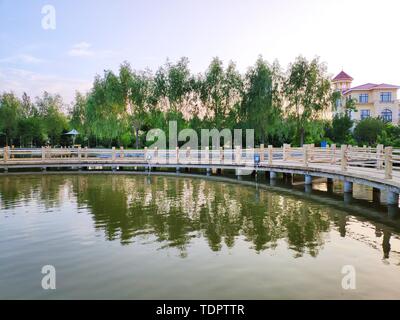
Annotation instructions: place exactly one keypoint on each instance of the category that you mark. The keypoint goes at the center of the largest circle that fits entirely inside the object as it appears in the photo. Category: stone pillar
(289, 178)
(348, 187)
(347, 197)
(272, 175)
(238, 173)
(329, 185)
(376, 195)
(393, 211)
(392, 198)
(307, 179)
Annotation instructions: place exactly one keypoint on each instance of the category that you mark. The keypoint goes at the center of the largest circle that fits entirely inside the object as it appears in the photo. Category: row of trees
(26, 123)
(282, 107)
(278, 106)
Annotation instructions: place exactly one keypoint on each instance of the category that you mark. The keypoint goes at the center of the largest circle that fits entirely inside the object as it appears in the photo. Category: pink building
(372, 100)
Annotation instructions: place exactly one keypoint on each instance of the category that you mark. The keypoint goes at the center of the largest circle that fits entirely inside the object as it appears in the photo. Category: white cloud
(21, 58)
(81, 49)
(21, 80)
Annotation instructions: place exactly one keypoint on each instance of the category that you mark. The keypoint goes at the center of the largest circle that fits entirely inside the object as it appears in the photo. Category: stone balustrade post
(238, 155)
(262, 155)
(306, 155)
(333, 153)
(5, 154)
(379, 153)
(343, 157)
(388, 162)
(270, 154)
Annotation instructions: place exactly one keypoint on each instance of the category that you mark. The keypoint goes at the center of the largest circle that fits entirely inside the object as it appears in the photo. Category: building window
(386, 96)
(363, 98)
(365, 114)
(386, 115)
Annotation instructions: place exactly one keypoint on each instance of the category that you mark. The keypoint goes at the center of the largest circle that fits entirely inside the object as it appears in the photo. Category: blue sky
(360, 36)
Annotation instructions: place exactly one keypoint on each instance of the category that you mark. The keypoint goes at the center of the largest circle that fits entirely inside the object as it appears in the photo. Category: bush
(340, 131)
(367, 131)
(390, 136)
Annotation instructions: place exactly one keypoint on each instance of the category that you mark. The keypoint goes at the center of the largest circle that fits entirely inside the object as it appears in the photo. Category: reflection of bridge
(376, 167)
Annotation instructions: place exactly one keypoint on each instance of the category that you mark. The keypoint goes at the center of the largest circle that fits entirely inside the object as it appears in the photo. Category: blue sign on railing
(324, 144)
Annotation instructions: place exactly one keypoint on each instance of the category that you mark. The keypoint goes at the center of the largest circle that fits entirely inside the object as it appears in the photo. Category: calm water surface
(139, 237)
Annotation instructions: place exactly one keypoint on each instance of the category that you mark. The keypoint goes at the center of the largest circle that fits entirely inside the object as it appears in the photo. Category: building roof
(372, 86)
(342, 76)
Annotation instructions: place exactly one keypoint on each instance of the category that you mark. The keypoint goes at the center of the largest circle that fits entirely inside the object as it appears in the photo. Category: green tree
(220, 91)
(340, 131)
(138, 89)
(257, 108)
(78, 116)
(172, 84)
(390, 136)
(50, 108)
(367, 131)
(308, 92)
(10, 114)
(106, 108)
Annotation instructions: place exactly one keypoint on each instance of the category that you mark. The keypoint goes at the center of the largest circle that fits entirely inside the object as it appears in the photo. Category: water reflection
(176, 210)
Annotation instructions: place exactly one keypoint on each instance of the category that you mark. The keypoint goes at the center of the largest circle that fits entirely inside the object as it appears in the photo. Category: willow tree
(10, 113)
(78, 116)
(307, 90)
(106, 111)
(171, 84)
(220, 91)
(258, 110)
(137, 89)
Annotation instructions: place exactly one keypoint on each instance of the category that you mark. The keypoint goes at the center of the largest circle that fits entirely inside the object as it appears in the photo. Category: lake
(165, 237)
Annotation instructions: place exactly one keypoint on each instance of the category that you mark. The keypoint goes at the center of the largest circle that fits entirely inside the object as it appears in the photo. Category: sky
(362, 37)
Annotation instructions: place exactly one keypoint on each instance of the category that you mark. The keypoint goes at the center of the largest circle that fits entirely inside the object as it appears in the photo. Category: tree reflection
(173, 211)
(176, 210)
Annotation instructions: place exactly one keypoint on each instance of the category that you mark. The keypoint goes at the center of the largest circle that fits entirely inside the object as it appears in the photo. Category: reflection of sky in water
(159, 225)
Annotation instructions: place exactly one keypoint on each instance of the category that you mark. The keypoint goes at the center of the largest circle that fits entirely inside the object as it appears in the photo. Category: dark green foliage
(340, 130)
(367, 131)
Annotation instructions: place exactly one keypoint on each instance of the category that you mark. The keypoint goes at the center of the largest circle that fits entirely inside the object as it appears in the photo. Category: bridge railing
(377, 159)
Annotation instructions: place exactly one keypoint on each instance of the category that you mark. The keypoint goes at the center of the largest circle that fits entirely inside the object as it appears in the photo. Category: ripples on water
(113, 236)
